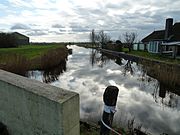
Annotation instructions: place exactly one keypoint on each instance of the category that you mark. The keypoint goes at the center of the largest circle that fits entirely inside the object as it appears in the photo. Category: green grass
(125, 49)
(152, 56)
(24, 58)
(29, 51)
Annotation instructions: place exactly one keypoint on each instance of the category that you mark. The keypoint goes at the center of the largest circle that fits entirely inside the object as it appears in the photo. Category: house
(13, 39)
(20, 38)
(164, 41)
(139, 46)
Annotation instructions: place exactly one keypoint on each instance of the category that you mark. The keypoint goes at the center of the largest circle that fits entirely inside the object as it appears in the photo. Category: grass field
(29, 51)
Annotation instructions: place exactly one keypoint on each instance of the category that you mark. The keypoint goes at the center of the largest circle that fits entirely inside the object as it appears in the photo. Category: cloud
(20, 26)
(57, 26)
(79, 28)
(55, 32)
(72, 16)
(37, 32)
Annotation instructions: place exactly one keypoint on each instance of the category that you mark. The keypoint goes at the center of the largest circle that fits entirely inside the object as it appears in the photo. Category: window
(153, 46)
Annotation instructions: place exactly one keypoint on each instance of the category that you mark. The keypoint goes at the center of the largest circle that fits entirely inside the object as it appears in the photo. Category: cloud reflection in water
(136, 97)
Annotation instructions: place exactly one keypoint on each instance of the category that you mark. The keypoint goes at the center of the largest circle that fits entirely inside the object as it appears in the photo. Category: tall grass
(15, 63)
(166, 74)
(52, 74)
(53, 58)
(19, 63)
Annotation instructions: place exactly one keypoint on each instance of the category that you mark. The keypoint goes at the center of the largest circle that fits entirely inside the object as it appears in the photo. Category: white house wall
(141, 46)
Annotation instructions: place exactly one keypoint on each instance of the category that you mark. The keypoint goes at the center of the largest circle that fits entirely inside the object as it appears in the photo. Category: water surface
(140, 97)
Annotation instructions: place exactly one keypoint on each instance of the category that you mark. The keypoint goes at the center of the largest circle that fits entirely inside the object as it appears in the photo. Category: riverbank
(143, 54)
(156, 57)
(166, 73)
(24, 58)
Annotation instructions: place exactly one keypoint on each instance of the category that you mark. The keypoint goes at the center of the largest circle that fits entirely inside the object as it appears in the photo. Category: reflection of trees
(97, 58)
(101, 59)
(165, 90)
(163, 94)
(118, 61)
(52, 74)
(128, 68)
(173, 101)
(165, 73)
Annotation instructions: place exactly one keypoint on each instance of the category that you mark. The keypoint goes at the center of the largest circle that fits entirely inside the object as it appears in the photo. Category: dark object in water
(69, 51)
(3, 129)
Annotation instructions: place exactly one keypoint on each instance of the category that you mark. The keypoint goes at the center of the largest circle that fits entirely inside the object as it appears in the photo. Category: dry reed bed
(168, 74)
(20, 65)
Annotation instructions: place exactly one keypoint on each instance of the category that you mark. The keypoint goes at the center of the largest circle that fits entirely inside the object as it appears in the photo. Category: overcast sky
(72, 20)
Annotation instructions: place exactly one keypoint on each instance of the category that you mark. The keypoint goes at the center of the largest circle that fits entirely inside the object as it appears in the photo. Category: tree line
(8, 40)
(101, 39)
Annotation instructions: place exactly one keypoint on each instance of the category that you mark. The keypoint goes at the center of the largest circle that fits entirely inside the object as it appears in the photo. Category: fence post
(110, 99)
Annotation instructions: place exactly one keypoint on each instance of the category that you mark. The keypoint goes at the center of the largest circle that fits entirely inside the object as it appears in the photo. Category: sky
(73, 20)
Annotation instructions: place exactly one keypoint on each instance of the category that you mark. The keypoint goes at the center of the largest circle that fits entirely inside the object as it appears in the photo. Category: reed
(15, 63)
(53, 58)
(165, 73)
(20, 64)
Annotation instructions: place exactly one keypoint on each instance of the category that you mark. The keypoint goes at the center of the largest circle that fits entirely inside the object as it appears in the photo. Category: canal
(142, 99)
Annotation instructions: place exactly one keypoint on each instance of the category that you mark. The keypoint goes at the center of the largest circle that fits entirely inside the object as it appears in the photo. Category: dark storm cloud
(20, 26)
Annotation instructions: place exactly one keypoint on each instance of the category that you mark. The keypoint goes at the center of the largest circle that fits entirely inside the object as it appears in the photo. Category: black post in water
(110, 99)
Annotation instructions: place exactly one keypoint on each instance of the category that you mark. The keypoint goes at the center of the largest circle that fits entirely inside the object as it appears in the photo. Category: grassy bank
(23, 58)
(158, 57)
(29, 51)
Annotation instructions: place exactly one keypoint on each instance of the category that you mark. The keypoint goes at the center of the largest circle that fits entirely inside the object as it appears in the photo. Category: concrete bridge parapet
(29, 107)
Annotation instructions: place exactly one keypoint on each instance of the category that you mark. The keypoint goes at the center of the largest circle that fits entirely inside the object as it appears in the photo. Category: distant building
(21, 39)
(12, 39)
(164, 41)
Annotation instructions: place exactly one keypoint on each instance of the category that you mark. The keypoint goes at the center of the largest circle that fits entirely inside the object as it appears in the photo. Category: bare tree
(93, 37)
(99, 39)
(130, 38)
(103, 38)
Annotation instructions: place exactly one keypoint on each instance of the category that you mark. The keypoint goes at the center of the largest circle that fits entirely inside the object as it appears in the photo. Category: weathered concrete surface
(29, 107)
